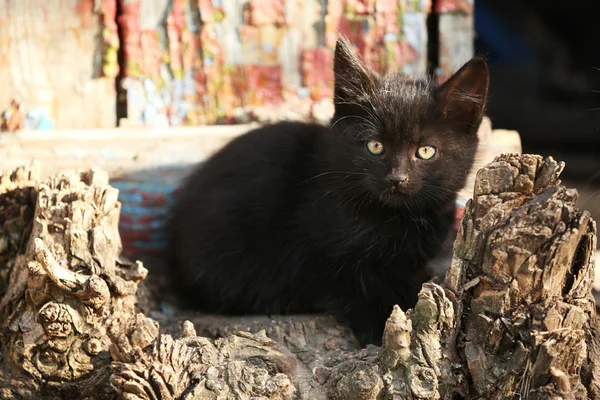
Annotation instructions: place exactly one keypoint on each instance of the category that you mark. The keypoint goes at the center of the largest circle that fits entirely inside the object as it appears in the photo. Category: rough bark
(513, 318)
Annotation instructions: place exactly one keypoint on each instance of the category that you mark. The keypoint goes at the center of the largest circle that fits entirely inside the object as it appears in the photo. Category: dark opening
(433, 39)
(579, 260)
(121, 103)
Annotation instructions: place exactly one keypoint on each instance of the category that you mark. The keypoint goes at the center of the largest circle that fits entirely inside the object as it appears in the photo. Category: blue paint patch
(268, 47)
(146, 197)
(38, 119)
(126, 197)
(107, 154)
(189, 18)
(303, 92)
(390, 37)
(167, 309)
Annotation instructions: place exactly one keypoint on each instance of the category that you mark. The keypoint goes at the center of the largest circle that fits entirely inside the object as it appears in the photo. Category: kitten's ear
(352, 78)
(464, 94)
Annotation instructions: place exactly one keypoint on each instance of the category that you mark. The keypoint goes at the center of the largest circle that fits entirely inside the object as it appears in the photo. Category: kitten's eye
(426, 152)
(375, 147)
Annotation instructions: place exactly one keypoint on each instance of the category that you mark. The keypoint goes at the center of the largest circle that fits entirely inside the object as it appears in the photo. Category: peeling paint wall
(191, 62)
(51, 65)
(228, 61)
(456, 41)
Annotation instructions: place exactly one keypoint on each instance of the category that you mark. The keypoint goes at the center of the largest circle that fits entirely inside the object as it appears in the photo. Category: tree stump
(514, 316)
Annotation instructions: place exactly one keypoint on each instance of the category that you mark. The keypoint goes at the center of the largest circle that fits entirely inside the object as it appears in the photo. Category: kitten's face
(407, 142)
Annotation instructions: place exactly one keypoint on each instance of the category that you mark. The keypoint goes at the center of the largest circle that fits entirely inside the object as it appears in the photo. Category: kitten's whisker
(344, 192)
(349, 173)
(594, 176)
(367, 123)
(593, 194)
(341, 119)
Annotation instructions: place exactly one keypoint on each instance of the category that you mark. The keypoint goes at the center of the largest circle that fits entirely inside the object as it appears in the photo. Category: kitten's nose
(398, 179)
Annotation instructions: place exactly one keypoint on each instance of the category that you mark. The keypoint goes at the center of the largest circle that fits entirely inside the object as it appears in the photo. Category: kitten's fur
(297, 218)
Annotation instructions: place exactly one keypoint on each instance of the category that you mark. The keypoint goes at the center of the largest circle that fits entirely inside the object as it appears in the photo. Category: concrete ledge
(115, 150)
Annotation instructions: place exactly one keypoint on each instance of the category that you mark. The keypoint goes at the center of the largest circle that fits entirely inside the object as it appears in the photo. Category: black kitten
(299, 218)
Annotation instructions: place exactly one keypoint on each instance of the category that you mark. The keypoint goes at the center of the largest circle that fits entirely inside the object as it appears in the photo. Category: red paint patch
(458, 217)
(445, 6)
(175, 25)
(317, 72)
(110, 34)
(360, 7)
(129, 21)
(153, 199)
(267, 12)
(85, 10)
(386, 17)
(264, 84)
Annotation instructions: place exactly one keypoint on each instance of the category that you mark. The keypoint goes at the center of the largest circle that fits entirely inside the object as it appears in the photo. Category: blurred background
(142, 87)
(545, 81)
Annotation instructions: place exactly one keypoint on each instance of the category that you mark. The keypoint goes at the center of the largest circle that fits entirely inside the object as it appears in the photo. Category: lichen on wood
(512, 318)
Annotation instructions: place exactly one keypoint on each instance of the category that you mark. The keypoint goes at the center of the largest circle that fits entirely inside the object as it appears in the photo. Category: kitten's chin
(396, 199)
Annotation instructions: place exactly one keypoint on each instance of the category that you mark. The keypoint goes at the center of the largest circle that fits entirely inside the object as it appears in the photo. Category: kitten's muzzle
(398, 181)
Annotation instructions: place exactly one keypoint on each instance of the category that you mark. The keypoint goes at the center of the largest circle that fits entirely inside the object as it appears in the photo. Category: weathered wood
(514, 315)
(16, 215)
(68, 295)
(523, 267)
